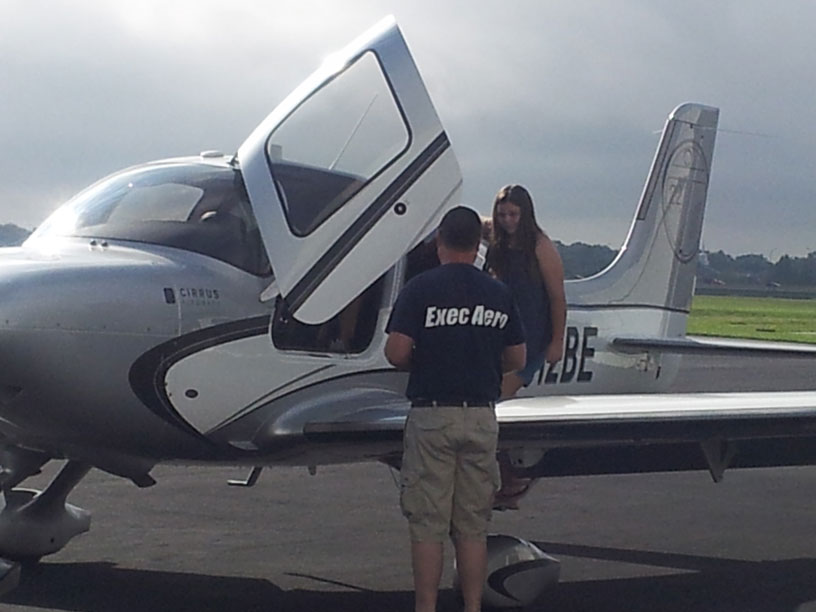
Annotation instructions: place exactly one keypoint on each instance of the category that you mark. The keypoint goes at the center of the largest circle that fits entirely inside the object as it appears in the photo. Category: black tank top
(532, 300)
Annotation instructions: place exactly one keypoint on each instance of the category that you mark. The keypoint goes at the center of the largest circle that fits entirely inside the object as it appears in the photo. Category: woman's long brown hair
(525, 237)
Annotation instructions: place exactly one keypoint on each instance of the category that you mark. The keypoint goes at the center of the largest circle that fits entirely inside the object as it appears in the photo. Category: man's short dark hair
(461, 229)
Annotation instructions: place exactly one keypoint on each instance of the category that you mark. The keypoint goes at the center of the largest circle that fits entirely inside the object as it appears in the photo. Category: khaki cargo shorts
(449, 472)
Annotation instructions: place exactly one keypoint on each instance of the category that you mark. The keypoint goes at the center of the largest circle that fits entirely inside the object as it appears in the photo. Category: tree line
(12, 235)
(721, 268)
(713, 267)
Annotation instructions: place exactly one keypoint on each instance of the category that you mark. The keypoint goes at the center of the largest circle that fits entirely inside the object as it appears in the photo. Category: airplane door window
(333, 143)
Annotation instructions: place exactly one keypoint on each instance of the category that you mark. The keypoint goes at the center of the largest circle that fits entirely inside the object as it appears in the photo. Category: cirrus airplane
(230, 310)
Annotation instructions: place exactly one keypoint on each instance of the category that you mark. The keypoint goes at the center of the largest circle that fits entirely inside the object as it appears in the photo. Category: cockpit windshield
(197, 207)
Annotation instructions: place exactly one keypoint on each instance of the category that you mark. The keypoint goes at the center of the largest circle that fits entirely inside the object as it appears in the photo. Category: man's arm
(398, 350)
(514, 357)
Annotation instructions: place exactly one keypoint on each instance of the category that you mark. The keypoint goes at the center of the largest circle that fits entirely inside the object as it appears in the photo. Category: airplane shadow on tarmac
(708, 584)
(104, 587)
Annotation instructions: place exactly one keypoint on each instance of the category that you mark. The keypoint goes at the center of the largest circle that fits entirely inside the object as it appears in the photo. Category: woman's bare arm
(552, 272)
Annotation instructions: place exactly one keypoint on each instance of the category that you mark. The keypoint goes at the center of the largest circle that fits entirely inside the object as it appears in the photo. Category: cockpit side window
(196, 207)
(163, 202)
(349, 332)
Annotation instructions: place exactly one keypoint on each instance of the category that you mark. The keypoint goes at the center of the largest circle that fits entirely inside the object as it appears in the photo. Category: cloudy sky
(563, 96)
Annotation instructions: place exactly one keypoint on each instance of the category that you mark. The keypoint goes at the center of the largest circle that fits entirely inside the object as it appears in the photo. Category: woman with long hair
(524, 258)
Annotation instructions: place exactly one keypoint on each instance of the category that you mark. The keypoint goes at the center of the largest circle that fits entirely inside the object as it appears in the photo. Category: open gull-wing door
(348, 173)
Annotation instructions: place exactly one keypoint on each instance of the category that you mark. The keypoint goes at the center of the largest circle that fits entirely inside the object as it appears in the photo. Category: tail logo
(685, 182)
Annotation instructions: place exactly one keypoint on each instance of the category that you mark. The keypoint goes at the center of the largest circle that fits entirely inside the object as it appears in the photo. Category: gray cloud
(564, 97)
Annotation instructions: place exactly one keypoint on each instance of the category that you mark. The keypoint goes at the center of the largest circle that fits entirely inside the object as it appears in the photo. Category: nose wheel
(36, 523)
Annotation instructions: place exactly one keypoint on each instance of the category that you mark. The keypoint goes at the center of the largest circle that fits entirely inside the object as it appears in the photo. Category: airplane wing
(698, 345)
(616, 434)
(605, 434)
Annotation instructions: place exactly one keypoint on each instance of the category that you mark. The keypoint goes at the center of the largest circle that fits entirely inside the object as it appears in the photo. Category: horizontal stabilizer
(691, 345)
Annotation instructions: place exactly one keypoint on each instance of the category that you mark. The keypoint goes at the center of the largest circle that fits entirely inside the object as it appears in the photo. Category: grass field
(751, 317)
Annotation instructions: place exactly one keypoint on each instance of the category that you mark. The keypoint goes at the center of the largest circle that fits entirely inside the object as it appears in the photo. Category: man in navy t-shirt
(456, 330)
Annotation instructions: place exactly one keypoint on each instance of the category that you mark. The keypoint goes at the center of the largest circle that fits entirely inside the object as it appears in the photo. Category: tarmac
(336, 541)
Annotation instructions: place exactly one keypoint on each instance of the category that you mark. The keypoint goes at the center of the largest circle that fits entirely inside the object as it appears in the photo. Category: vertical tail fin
(657, 263)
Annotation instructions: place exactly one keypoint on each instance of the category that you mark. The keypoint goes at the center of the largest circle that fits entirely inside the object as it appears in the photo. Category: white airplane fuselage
(76, 318)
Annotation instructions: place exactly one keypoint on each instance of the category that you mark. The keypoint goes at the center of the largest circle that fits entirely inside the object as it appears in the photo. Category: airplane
(230, 310)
